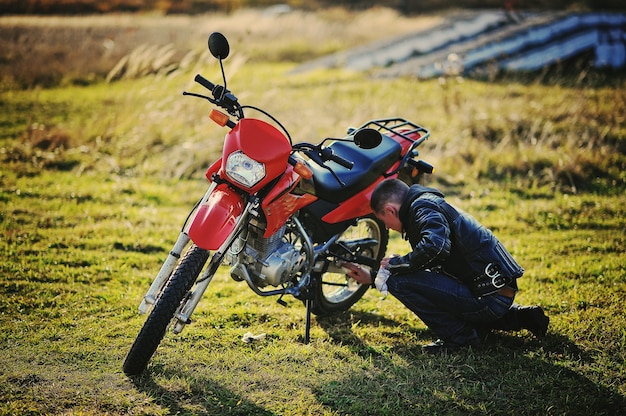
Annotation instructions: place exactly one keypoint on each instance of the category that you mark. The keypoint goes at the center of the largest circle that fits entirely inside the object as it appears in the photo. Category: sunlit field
(102, 157)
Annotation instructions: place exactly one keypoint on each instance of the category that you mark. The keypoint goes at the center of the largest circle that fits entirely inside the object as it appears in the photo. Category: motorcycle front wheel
(156, 324)
(336, 292)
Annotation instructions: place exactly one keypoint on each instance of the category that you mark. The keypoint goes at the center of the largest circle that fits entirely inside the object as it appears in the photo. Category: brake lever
(193, 94)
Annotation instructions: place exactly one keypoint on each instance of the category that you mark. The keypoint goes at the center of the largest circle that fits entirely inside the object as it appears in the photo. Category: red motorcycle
(285, 216)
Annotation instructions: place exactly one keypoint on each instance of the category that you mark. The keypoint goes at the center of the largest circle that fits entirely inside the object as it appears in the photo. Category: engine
(269, 261)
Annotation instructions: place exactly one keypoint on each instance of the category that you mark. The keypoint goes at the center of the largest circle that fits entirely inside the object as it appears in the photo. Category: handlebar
(204, 82)
(320, 155)
(221, 96)
(327, 154)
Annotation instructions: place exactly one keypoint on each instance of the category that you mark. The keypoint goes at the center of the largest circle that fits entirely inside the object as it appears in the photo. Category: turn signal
(303, 170)
(219, 117)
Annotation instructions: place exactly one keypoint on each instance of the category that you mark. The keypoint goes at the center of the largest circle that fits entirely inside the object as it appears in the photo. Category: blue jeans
(448, 307)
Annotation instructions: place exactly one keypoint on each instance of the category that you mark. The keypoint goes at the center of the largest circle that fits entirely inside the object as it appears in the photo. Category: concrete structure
(478, 42)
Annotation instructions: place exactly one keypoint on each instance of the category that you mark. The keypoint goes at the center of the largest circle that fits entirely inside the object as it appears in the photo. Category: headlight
(244, 170)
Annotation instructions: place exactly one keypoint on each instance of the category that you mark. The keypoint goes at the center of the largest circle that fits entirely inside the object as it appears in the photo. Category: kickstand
(307, 325)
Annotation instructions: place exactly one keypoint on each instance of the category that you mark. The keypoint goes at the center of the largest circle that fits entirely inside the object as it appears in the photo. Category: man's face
(389, 216)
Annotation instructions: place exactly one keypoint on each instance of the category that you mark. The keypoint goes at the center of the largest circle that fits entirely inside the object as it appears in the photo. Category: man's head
(386, 201)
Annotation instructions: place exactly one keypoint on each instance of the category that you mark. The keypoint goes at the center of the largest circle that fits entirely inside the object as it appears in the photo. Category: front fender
(215, 219)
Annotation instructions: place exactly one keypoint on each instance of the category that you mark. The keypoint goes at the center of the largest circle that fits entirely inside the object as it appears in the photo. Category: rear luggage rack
(399, 127)
(403, 128)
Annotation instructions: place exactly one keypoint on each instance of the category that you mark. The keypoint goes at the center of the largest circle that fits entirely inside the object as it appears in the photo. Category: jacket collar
(415, 191)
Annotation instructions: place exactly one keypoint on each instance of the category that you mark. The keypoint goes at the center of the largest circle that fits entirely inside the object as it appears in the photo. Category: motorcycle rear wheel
(335, 292)
(156, 324)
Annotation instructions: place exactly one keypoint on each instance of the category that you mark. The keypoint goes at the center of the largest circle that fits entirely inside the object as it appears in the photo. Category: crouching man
(458, 279)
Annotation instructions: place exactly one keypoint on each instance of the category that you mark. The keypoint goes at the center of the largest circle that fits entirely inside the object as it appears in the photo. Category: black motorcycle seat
(368, 166)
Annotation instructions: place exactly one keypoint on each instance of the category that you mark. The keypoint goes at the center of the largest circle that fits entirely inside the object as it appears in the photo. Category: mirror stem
(224, 78)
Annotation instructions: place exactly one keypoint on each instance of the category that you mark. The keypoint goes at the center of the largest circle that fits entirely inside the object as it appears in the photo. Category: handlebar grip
(204, 82)
(341, 161)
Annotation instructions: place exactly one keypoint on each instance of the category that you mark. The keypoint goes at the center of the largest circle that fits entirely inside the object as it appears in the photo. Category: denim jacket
(445, 237)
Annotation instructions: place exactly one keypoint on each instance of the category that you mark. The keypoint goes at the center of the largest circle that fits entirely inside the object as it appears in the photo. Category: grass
(81, 253)
(96, 180)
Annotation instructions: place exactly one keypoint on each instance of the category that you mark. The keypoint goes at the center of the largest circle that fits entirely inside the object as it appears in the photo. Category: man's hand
(358, 273)
(385, 262)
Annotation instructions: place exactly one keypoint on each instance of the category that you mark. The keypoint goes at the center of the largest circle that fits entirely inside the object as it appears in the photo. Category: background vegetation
(203, 6)
(100, 167)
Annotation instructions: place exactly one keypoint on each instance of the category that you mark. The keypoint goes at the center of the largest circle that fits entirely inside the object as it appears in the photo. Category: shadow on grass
(201, 396)
(508, 374)
(339, 329)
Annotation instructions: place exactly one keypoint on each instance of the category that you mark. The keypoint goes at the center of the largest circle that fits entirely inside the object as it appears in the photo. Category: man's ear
(390, 209)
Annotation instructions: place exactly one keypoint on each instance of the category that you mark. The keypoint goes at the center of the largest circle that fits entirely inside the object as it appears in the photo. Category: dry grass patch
(48, 50)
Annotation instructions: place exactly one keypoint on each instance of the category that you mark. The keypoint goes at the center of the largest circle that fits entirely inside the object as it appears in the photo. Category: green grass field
(97, 179)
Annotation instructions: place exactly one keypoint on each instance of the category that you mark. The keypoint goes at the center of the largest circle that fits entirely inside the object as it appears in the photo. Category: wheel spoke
(363, 240)
(324, 282)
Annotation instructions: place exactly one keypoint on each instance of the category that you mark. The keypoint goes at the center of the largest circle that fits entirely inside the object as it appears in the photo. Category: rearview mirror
(367, 138)
(218, 45)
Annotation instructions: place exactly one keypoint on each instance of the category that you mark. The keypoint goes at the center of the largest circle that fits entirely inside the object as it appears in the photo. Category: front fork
(183, 314)
(189, 303)
(186, 308)
(168, 266)
(166, 271)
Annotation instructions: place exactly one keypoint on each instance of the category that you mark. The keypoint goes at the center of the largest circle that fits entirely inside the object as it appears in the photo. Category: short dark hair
(389, 190)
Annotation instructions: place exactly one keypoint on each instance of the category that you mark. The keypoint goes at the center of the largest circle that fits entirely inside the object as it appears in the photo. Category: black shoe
(442, 347)
(535, 320)
(484, 334)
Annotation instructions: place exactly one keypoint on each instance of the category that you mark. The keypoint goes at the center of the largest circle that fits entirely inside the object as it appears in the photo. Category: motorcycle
(285, 216)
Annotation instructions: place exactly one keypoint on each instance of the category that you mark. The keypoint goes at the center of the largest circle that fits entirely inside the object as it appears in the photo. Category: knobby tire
(156, 324)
